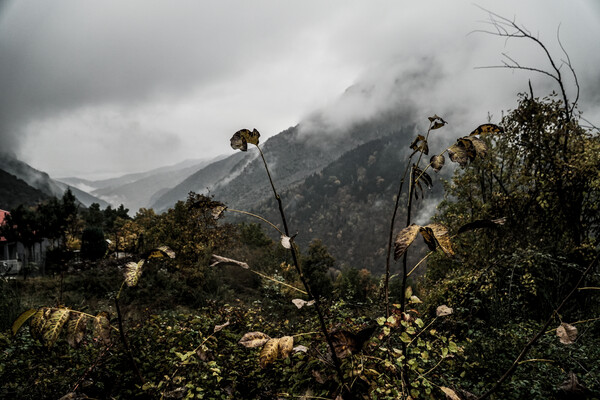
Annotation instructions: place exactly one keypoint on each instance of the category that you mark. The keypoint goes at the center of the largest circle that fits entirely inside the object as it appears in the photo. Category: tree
(114, 220)
(315, 266)
(93, 244)
(547, 191)
(541, 175)
(93, 216)
(58, 218)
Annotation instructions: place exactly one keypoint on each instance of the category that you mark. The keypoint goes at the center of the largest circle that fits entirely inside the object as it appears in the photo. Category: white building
(14, 255)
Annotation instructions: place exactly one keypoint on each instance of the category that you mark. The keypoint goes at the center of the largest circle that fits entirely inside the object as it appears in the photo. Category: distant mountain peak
(42, 181)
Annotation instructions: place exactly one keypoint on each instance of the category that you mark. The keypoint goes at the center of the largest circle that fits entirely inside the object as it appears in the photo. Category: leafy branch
(240, 141)
(539, 334)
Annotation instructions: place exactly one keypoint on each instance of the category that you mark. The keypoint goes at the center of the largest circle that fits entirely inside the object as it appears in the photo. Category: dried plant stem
(576, 322)
(537, 360)
(411, 190)
(279, 282)
(91, 367)
(126, 343)
(390, 242)
(334, 357)
(258, 217)
(539, 334)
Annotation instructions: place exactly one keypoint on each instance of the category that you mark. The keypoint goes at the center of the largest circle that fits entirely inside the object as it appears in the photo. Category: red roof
(3, 215)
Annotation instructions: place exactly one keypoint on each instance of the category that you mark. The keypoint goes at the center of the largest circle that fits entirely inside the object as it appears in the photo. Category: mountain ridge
(42, 181)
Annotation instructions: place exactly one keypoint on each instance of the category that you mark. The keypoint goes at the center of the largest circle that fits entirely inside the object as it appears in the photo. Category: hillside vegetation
(493, 296)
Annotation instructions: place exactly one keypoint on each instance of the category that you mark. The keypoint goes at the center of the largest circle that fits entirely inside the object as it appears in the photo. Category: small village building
(14, 256)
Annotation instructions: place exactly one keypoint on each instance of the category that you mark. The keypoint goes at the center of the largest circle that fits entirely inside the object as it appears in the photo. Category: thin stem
(279, 282)
(411, 189)
(536, 360)
(422, 330)
(91, 367)
(432, 368)
(575, 323)
(334, 357)
(390, 240)
(404, 372)
(429, 165)
(258, 217)
(419, 263)
(425, 258)
(305, 334)
(126, 344)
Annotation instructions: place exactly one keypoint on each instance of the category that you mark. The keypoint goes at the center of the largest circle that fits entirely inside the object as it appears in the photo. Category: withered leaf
(21, 319)
(102, 328)
(286, 345)
(238, 142)
(54, 325)
(487, 128)
(300, 349)
(133, 271)
(269, 352)
(240, 139)
(404, 239)
(254, 339)
(219, 328)
(414, 300)
(419, 144)
(218, 260)
(443, 311)
(160, 252)
(420, 175)
(428, 237)
(566, 333)
(458, 154)
(251, 137)
(37, 322)
(286, 241)
(217, 212)
(436, 118)
(74, 396)
(437, 162)
(438, 124)
(440, 233)
(346, 343)
(450, 394)
(205, 203)
(467, 145)
(301, 303)
(419, 187)
(572, 387)
(482, 224)
(76, 328)
(480, 147)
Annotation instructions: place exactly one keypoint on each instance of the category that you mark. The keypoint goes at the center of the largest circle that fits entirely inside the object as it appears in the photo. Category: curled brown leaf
(254, 339)
(566, 333)
(404, 239)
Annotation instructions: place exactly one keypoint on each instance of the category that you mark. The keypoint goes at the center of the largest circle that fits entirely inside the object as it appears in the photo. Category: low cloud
(192, 74)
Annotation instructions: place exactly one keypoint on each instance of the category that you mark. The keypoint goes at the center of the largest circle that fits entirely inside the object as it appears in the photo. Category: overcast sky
(93, 88)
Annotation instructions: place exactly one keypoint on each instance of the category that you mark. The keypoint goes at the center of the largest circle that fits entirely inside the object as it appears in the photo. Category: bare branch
(509, 29)
(590, 126)
(568, 63)
(541, 71)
